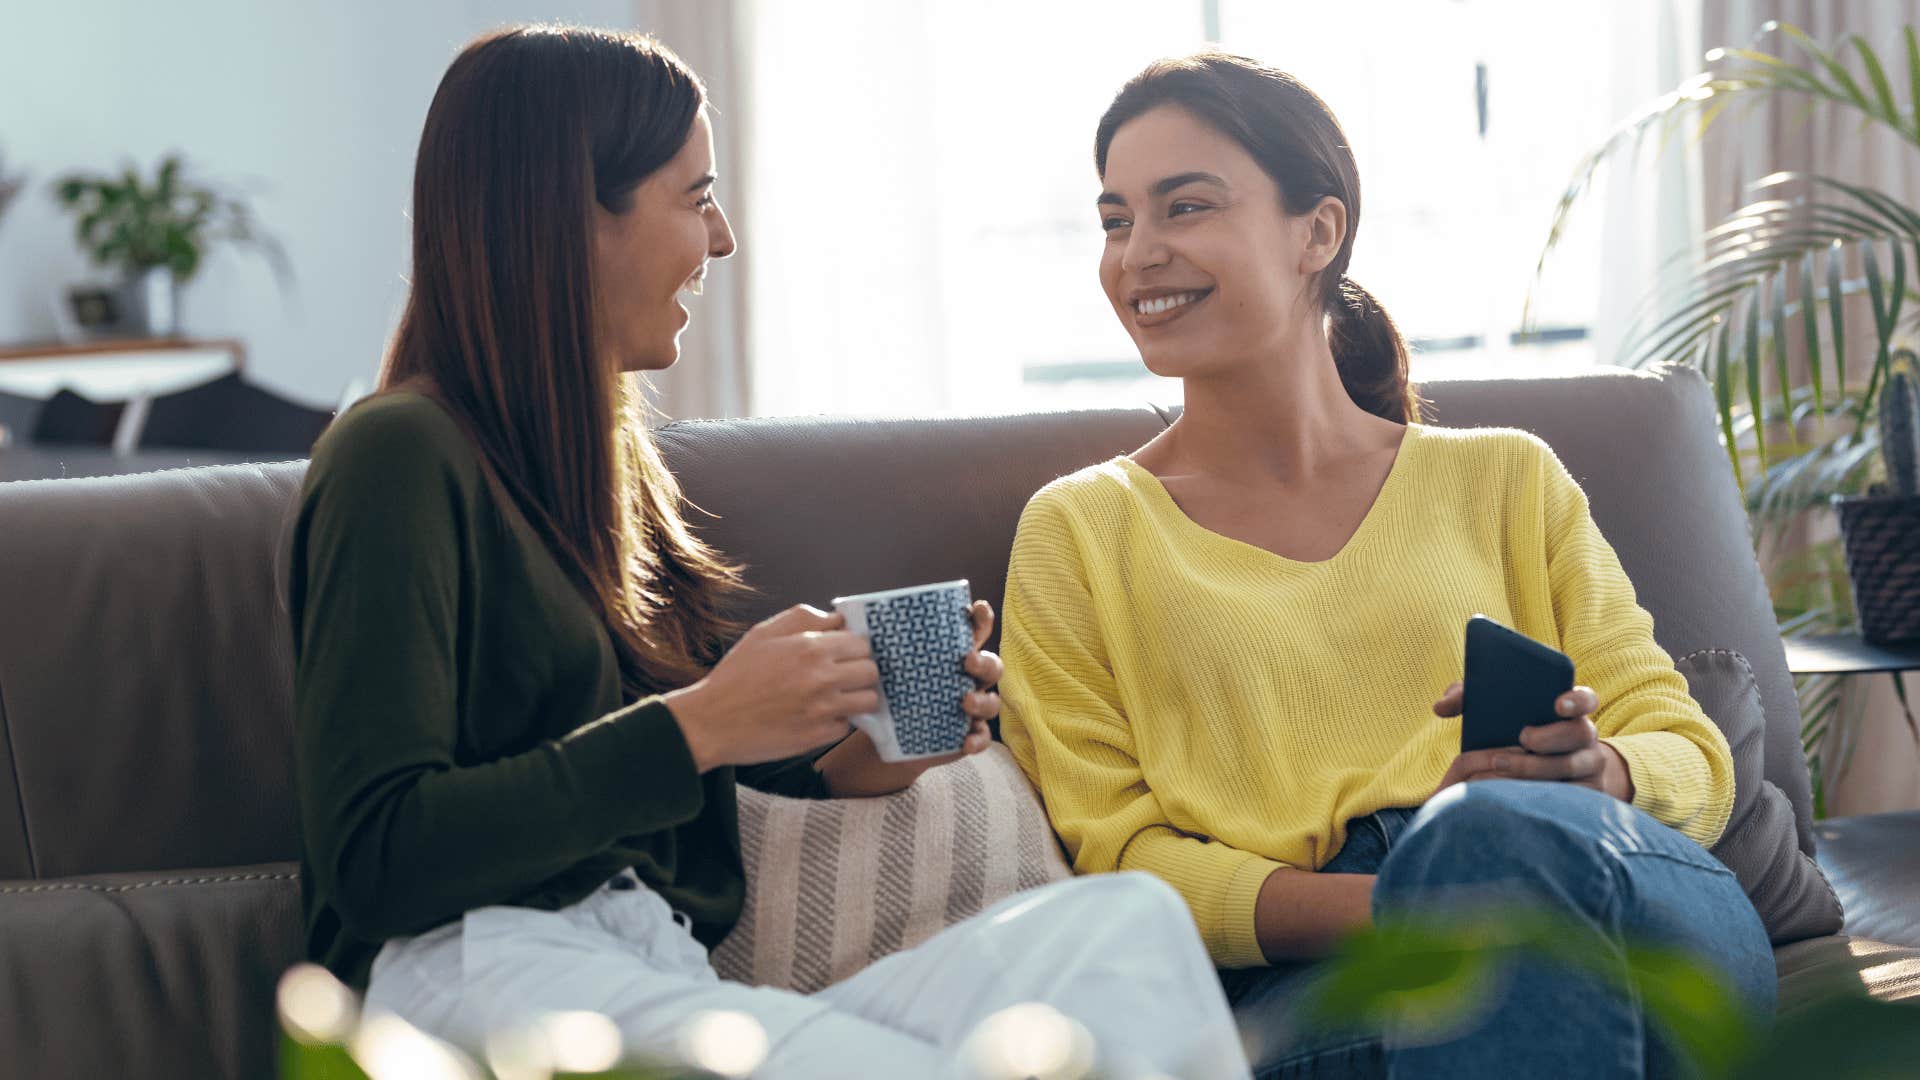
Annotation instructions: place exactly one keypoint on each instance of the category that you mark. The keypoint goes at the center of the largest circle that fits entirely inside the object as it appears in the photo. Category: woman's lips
(1149, 320)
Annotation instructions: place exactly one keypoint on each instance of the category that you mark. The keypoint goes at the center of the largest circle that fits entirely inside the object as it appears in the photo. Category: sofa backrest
(145, 673)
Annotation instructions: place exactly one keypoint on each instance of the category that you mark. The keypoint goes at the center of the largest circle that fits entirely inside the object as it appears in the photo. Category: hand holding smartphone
(1511, 683)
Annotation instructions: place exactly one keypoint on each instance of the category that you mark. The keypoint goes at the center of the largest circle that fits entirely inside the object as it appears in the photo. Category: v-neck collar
(1382, 503)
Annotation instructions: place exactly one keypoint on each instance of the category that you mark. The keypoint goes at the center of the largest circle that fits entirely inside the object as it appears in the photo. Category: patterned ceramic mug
(920, 636)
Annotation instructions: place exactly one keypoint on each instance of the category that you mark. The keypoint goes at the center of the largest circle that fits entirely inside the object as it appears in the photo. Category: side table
(1847, 654)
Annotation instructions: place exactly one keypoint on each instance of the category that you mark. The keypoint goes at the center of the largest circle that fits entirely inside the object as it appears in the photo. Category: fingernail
(1565, 708)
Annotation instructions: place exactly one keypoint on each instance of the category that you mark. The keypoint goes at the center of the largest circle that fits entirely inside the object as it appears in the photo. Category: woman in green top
(519, 722)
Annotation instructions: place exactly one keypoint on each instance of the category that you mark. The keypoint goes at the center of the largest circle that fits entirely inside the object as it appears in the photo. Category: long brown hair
(528, 125)
(1294, 137)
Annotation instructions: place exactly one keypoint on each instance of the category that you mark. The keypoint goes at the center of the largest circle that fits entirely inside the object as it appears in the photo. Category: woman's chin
(1168, 365)
(652, 359)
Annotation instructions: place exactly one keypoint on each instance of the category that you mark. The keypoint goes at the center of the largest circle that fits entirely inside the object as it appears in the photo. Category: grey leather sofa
(148, 894)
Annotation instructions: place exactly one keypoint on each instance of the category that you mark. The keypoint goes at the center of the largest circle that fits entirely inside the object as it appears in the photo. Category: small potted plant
(9, 185)
(154, 237)
(1882, 528)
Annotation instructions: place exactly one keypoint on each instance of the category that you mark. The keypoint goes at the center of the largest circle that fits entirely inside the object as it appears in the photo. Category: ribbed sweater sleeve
(1681, 766)
(1064, 723)
(399, 831)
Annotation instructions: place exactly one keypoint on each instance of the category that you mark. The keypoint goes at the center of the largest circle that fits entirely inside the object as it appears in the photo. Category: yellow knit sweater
(1208, 711)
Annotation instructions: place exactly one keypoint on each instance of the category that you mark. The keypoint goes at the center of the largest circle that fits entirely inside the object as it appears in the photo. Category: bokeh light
(1030, 1040)
(726, 1042)
(582, 1042)
(520, 1053)
(315, 1007)
(389, 1048)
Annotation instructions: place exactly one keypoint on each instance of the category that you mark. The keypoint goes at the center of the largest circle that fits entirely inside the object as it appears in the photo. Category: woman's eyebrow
(1162, 187)
(705, 181)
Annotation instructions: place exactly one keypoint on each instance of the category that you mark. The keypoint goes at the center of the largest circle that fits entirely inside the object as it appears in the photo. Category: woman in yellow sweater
(1224, 649)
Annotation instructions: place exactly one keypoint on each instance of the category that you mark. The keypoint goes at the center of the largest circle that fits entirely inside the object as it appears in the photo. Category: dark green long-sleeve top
(460, 733)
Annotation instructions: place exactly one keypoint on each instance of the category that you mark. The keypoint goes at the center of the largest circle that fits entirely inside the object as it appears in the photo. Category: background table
(1847, 654)
(116, 370)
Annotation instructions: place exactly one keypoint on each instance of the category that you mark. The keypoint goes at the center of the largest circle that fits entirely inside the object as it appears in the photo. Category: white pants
(1118, 952)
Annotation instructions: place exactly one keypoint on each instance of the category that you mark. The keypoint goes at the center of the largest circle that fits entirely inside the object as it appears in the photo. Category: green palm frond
(1806, 242)
(1744, 76)
(1761, 266)
(1756, 290)
(1802, 482)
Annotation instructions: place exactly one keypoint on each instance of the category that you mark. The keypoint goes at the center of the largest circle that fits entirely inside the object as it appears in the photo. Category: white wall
(317, 102)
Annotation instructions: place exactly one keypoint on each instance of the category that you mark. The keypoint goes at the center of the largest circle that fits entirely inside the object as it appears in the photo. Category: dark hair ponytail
(1370, 353)
(1291, 133)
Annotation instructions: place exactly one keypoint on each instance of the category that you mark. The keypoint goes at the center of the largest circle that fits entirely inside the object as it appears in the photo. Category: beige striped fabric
(833, 885)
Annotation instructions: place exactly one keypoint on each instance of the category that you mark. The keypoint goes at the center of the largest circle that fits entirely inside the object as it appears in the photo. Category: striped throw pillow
(835, 884)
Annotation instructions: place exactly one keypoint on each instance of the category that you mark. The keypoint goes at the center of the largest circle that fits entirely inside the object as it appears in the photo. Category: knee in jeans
(1501, 816)
(1492, 829)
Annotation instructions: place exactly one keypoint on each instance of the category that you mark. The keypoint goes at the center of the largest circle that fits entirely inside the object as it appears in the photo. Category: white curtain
(713, 378)
(846, 304)
(1649, 208)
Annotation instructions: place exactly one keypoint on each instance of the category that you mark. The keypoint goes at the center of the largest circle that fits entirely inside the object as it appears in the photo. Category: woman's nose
(720, 242)
(1144, 251)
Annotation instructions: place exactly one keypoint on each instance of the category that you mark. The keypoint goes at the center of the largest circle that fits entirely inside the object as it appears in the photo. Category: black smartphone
(1511, 682)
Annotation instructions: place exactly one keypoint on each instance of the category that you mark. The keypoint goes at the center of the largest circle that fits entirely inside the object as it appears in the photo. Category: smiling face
(1202, 263)
(646, 255)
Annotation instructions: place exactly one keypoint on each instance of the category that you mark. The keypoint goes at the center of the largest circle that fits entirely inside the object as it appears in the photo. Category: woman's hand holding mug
(787, 686)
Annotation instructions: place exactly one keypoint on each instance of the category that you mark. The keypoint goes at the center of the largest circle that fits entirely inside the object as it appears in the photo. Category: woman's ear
(1326, 231)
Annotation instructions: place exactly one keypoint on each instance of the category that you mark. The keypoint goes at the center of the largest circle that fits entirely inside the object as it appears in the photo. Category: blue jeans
(1604, 866)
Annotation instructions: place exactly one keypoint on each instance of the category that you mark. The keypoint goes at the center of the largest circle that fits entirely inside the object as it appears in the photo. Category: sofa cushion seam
(1738, 658)
(216, 879)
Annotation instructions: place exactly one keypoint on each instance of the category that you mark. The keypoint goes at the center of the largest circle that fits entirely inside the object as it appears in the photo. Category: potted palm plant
(1772, 285)
(153, 235)
(1881, 529)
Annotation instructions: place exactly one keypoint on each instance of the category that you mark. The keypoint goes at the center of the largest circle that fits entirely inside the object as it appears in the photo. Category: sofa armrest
(160, 973)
